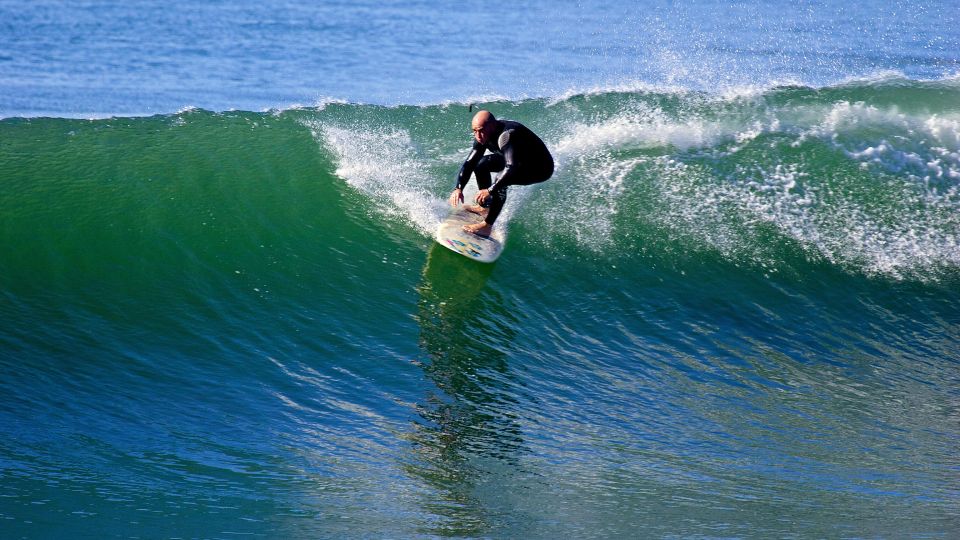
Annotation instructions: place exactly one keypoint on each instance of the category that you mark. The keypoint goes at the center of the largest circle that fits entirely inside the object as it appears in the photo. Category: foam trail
(870, 186)
(382, 164)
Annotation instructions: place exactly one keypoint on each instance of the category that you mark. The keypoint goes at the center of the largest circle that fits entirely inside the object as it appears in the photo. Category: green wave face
(861, 177)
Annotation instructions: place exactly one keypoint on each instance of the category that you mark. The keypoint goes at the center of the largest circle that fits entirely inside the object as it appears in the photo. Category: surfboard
(451, 235)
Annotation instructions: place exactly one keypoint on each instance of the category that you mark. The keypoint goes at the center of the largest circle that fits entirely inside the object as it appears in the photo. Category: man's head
(484, 126)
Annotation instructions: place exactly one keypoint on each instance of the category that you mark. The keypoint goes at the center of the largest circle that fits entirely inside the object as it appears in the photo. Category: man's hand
(456, 197)
(482, 196)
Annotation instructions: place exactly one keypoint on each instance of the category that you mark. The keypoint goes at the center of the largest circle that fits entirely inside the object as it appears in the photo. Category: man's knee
(491, 163)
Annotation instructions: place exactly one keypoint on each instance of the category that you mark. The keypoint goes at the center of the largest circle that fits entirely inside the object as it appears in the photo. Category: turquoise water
(732, 313)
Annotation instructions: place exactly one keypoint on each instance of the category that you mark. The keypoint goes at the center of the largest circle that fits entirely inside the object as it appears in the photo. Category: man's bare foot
(479, 229)
(479, 210)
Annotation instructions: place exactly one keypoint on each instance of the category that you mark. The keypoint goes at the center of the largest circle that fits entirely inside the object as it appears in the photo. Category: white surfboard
(479, 248)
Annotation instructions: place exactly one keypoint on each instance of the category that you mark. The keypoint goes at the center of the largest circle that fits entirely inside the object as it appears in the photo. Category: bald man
(516, 151)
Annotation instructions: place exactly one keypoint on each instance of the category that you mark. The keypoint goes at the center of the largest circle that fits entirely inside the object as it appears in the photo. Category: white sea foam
(922, 147)
(321, 103)
(900, 220)
(911, 232)
(632, 86)
(485, 98)
(644, 127)
(382, 165)
(596, 159)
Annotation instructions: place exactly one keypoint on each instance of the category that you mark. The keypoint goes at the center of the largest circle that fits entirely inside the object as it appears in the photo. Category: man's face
(481, 132)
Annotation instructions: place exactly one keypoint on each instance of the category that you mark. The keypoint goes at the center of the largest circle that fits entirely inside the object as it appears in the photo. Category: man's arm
(469, 165)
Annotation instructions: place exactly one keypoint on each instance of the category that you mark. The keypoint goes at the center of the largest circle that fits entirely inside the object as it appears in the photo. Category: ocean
(733, 312)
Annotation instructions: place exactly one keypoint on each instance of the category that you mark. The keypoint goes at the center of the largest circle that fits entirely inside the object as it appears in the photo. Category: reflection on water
(465, 423)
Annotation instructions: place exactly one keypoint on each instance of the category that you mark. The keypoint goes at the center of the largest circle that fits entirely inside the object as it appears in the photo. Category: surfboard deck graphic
(451, 235)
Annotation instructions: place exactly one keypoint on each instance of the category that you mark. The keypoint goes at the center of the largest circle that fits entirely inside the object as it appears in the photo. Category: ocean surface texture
(733, 312)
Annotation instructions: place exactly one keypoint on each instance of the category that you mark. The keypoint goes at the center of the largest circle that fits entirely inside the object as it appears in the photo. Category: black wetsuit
(518, 152)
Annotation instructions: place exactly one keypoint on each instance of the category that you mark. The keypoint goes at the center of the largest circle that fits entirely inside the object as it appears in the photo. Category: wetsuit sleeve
(469, 165)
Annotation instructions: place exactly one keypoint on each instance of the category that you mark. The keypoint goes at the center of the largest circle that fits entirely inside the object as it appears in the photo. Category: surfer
(517, 152)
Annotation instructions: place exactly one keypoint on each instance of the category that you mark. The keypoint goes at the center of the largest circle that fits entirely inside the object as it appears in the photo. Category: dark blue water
(148, 57)
(734, 312)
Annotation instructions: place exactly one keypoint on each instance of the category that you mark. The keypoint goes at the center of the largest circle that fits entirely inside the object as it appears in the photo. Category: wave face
(722, 310)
